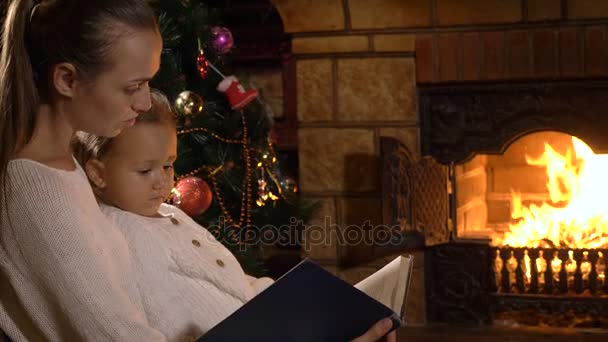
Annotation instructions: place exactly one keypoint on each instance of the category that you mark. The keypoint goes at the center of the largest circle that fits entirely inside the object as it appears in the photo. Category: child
(188, 281)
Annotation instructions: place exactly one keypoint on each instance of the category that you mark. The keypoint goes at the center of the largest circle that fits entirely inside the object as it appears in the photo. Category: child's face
(137, 172)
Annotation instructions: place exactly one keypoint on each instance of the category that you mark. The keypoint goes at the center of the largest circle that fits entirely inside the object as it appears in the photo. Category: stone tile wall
(358, 64)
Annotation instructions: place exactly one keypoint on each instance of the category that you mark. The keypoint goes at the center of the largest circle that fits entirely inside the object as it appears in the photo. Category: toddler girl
(188, 281)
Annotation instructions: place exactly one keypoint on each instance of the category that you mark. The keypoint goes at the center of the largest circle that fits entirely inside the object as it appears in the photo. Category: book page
(390, 284)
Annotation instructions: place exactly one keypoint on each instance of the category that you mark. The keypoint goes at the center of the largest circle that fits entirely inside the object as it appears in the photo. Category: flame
(576, 216)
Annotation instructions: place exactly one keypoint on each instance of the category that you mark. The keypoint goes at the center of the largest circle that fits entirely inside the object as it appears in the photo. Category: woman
(67, 66)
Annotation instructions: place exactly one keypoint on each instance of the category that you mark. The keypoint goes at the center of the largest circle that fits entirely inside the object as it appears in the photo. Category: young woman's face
(111, 102)
(137, 172)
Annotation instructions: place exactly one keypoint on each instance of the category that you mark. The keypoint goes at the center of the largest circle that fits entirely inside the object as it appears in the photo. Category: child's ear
(95, 171)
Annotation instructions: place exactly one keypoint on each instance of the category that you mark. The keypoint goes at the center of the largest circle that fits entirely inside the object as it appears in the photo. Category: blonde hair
(87, 146)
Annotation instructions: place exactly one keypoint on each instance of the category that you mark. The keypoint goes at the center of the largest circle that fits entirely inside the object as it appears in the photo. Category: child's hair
(37, 35)
(87, 146)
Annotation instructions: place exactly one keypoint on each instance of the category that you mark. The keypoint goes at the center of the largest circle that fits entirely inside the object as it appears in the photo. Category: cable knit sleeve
(72, 257)
(259, 284)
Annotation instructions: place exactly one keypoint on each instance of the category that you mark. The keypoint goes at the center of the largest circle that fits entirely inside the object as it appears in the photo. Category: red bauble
(192, 195)
(202, 64)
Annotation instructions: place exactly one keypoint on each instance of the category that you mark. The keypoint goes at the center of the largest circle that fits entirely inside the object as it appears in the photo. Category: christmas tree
(228, 176)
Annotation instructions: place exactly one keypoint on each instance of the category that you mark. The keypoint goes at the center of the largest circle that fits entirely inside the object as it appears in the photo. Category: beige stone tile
(334, 159)
(544, 10)
(394, 42)
(579, 9)
(269, 83)
(355, 211)
(376, 89)
(466, 12)
(408, 136)
(307, 16)
(359, 216)
(320, 239)
(378, 14)
(315, 90)
(330, 44)
(333, 269)
(415, 307)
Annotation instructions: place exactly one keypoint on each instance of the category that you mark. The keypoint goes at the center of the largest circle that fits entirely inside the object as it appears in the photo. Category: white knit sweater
(65, 272)
(189, 281)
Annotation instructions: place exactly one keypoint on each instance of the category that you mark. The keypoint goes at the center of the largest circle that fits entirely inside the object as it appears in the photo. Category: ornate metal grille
(415, 193)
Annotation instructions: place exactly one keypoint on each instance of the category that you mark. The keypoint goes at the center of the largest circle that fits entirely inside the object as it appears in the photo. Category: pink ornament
(192, 195)
(222, 40)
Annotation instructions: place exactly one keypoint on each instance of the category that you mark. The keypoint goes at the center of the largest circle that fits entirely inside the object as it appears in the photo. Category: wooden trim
(286, 129)
(463, 28)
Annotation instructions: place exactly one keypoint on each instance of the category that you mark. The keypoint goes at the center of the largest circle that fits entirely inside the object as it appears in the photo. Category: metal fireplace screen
(550, 271)
(549, 287)
(463, 287)
(415, 193)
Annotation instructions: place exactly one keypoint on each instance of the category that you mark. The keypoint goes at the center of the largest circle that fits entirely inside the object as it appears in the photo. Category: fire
(575, 216)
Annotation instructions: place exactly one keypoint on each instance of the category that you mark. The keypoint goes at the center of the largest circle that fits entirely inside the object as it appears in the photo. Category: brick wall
(513, 54)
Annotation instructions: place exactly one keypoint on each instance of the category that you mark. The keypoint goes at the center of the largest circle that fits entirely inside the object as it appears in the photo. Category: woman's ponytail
(18, 91)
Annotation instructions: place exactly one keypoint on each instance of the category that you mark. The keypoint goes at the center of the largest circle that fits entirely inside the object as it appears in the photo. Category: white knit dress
(188, 281)
(65, 270)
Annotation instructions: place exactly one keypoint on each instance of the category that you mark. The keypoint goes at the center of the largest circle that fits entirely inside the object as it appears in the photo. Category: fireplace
(485, 182)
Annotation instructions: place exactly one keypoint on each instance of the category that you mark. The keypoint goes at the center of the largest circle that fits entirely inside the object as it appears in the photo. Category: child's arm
(259, 284)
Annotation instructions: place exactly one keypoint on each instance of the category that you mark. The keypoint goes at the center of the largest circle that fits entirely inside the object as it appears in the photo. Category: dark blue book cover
(306, 304)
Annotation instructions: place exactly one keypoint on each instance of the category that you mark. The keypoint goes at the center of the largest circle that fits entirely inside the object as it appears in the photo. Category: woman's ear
(65, 77)
(94, 169)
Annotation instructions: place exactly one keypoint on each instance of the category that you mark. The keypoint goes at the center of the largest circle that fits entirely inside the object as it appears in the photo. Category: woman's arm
(64, 248)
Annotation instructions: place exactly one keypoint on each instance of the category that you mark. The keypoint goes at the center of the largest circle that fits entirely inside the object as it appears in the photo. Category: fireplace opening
(522, 243)
(543, 191)
(540, 206)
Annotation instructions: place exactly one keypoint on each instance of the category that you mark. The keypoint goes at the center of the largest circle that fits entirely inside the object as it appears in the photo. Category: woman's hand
(377, 331)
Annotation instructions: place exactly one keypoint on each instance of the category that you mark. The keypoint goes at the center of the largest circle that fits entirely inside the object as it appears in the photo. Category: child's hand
(377, 331)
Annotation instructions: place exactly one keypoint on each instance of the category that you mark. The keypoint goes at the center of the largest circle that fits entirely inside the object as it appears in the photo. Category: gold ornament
(188, 104)
(266, 157)
(264, 193)
(289, 185)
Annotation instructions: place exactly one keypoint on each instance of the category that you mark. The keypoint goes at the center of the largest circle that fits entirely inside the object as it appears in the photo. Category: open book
(390, 284)
(311, 304)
